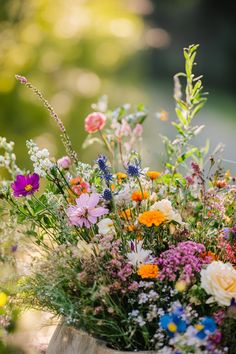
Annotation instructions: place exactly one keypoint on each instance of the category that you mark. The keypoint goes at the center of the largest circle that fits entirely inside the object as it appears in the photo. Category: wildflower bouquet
(142, 259)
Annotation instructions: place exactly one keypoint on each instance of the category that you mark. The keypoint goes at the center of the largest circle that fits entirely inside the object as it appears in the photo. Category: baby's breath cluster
(40, 158)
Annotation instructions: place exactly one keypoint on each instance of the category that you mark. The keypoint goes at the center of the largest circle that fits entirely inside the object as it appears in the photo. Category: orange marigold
(138, 196)
(153, 174)
(151, 217)
(148, 271)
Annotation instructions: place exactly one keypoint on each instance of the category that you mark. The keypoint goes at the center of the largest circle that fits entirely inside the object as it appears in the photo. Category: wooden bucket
(68, 340)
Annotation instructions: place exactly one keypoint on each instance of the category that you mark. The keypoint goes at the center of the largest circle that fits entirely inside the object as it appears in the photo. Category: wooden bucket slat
(67, 340)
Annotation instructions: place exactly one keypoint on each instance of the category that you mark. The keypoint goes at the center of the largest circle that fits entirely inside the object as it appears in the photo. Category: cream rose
(219, 280)
(165, 207)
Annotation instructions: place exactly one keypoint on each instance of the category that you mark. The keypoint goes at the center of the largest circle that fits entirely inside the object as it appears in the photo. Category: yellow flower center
(3, 299)
(172, 327)
(199, 327)
(28, 187)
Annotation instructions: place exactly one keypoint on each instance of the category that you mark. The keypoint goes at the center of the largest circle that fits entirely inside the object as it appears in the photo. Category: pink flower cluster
(182, 261)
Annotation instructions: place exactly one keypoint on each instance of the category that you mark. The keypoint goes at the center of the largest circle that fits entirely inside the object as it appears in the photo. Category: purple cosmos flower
(86, 211)
(25, 185)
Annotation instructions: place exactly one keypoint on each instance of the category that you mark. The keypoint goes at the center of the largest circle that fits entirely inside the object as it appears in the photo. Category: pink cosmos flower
(86, 211)
(64, 162)
(94, 121)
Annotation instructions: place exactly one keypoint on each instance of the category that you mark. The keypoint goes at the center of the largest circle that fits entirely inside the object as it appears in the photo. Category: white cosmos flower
(165, 207)
(137, 255)
(106, 226)
(219, 280)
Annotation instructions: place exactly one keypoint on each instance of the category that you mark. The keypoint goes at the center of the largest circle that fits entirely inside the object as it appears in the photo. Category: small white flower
(106, 226)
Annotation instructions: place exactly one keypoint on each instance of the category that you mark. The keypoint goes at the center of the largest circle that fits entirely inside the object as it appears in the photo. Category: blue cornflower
(134, 169)
(102, 163)
(173, 323)
(205, 327)
(104, 168)
(107, 194)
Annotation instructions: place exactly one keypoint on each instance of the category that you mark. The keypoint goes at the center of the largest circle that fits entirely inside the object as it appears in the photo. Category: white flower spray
(40, 158)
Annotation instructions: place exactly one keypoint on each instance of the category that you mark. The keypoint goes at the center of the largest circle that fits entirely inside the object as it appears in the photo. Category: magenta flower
(86, 211)
(25, 185)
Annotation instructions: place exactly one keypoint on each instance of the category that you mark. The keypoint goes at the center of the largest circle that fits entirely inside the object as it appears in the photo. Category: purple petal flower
(86, 211)
(25, 185)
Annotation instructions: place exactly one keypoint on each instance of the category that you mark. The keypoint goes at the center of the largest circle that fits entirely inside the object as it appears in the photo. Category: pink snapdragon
(94, 122)
(86, 211)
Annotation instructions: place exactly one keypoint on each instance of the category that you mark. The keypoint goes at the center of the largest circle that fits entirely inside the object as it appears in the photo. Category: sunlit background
(77, 50)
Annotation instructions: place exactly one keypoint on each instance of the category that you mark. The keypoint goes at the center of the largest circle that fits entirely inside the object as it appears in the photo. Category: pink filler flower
(94, 121)
(64, 162)
(85, 212)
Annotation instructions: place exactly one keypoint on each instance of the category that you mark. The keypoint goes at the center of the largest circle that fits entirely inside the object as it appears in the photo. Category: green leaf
(181, 116)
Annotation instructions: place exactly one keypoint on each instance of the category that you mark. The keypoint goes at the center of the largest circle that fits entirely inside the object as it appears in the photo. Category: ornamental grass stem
(64, 136)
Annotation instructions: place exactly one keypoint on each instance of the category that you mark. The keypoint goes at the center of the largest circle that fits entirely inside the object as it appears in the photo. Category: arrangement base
(67, 340)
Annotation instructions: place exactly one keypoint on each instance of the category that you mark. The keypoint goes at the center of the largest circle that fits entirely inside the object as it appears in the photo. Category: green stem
(141, 188)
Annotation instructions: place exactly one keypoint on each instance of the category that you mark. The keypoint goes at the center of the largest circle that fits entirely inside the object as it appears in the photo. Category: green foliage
(188, 104)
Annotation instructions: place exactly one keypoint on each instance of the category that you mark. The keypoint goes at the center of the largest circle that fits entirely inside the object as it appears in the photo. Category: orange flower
(153, 174)
(78, 186)
(151, 217)
(126, 214)
(138, 196)
(130, 228)
(221, 183)
(163, 115)
(75, 181)
(148, 271)
(212, 256)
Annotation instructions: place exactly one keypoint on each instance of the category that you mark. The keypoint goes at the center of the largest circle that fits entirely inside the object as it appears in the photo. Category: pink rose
(64, 162)
(94, 121)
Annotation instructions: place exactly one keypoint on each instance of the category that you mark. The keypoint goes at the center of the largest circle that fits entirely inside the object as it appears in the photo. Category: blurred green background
(78, 50)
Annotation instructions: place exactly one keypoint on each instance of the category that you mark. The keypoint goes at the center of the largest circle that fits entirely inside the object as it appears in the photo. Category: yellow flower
(180, 286)
(121, 175)
(151, 217)
(3, 299)
(153, 174)
(148, 271)
(138, 196)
